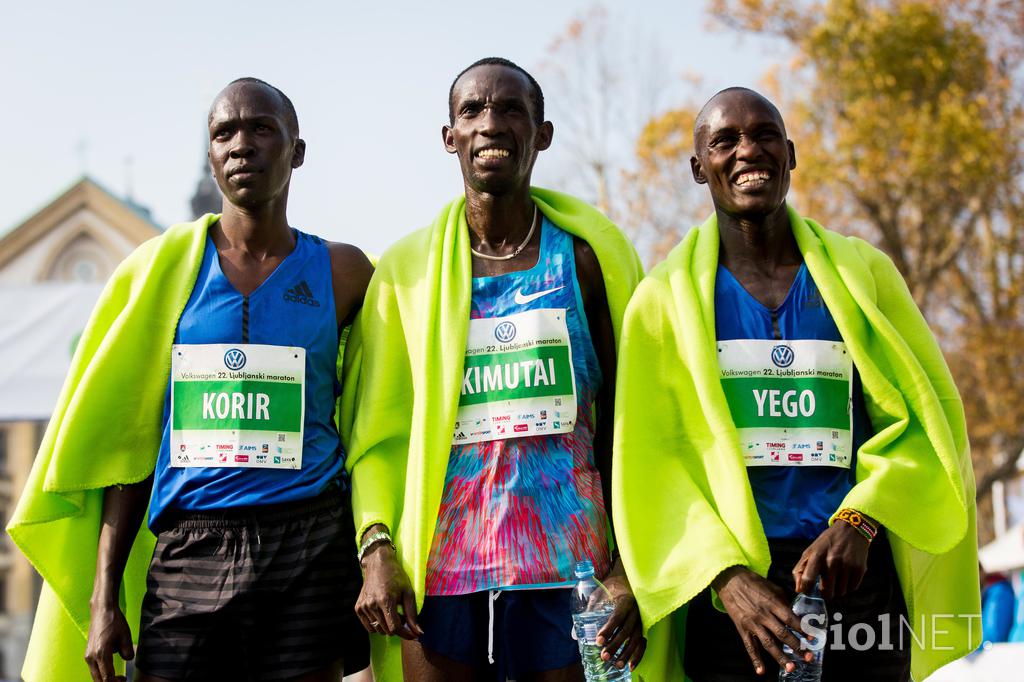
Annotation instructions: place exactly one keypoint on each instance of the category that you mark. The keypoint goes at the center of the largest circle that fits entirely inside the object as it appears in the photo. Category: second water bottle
(813, 606)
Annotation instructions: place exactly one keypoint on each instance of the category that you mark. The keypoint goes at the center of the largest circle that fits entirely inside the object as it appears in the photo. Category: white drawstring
(492, 597)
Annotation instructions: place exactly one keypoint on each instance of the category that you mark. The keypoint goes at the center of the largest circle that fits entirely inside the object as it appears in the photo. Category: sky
(120, 91)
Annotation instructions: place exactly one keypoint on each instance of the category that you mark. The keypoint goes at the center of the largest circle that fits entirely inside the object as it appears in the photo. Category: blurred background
(907, 116)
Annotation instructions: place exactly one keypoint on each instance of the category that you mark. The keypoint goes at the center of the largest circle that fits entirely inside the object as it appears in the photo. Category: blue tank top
(520, 511)
(294, 306)
(793, 502)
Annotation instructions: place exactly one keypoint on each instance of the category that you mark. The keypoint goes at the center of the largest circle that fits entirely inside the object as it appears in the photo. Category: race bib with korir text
(237, 405)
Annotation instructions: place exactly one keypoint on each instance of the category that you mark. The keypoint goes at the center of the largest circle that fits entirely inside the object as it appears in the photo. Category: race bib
(518, 378)
(790, 400)
(237, 405)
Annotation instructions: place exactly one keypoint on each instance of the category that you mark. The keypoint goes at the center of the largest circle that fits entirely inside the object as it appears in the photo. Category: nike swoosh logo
(522, 299)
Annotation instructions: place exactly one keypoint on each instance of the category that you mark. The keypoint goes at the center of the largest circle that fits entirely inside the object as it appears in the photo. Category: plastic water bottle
(591, 608)
(814, 606)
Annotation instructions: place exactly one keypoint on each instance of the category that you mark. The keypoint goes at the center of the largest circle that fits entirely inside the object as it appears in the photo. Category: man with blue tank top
(523, 475)
(800, 439)
(254, 574)
(771, 474)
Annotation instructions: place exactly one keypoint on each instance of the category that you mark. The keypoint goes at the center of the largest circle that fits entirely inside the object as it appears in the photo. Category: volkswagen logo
(234, 359)
(505, 332)
(782, 356)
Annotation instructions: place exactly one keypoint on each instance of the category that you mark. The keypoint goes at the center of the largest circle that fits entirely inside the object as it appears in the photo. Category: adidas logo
(301, 293)
(813, 299)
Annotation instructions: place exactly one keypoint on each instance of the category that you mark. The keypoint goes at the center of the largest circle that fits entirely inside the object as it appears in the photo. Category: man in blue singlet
(776, 341)
(519, 489)
(765, 295)
(254, 575)
(787, 423)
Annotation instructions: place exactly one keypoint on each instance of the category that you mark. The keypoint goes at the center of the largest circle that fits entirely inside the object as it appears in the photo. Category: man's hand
(108, 634)
(123, 509)
(624, 627)
(762, 616)
(839, 556)
(385, 588)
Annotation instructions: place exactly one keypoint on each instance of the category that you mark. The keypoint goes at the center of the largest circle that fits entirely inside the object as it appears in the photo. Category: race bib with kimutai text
(518, 378)
(237, 405)
(790, 400)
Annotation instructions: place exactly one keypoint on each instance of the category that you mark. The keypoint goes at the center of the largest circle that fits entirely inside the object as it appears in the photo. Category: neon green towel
(683, 507)
(408, 347)
(105, 429)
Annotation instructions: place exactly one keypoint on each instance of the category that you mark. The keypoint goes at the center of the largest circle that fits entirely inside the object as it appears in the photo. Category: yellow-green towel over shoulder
(407, 349)
(683, 507)
(105, 430)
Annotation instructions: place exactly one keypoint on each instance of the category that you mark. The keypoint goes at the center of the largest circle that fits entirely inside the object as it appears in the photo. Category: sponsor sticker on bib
(518, 378)
(790, 400)
(237, 405)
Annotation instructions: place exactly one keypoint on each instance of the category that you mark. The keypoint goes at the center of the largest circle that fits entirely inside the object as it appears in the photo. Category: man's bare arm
(602, 334)
(350, 273)
(123, 509)
(624, 630)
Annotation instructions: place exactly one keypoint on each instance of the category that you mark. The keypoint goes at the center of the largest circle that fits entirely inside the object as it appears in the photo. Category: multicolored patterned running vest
(522, 500)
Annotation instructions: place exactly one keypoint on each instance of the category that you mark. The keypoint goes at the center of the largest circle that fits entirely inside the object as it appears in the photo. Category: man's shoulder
(874, 257)
(578, 217)
(868, 251)
(348, 256)
(655, 289)
(351, 270)
(586, 259)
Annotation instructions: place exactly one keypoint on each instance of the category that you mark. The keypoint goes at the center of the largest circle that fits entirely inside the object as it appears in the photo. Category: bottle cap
(584, 569)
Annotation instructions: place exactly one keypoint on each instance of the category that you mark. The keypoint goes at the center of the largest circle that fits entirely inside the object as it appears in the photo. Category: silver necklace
(519, 249)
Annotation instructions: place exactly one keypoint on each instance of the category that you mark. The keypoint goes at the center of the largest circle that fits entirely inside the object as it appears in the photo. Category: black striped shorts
(256, 593)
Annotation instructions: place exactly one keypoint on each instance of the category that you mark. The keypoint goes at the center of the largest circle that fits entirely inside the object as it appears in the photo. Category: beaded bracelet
(858, 521)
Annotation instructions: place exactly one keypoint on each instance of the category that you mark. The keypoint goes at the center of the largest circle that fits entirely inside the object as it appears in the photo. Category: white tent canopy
(39, 325)
(998, 663)
(1005, 553)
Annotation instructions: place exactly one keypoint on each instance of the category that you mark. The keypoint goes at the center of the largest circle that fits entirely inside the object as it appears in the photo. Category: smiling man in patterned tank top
(527, 486)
